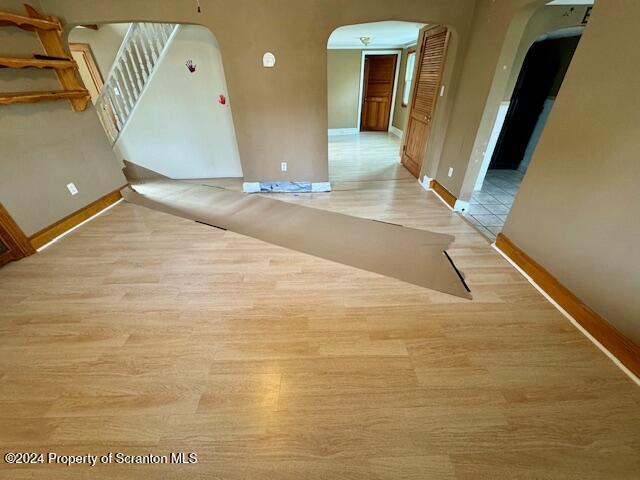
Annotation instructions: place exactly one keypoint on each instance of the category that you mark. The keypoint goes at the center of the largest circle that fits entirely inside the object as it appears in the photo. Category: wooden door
(379, 76)
(427, 81)
(13, 243)
(88, 68)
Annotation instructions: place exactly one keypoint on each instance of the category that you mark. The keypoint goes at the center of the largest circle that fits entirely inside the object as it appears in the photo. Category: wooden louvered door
(427, 80)
(379, 75)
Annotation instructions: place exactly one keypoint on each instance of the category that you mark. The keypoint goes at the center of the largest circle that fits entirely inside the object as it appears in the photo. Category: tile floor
(490, 206)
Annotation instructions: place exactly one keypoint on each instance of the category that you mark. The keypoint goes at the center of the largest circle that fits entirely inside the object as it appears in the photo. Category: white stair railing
(137, 58)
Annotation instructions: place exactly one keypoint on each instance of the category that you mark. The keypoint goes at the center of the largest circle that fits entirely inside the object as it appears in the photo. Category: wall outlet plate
(73, 190)
(450, 172)
(283, 166)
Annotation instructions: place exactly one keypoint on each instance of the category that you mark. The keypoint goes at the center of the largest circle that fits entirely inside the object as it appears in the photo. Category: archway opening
(543, 57)
(370, 69)
(161, 95)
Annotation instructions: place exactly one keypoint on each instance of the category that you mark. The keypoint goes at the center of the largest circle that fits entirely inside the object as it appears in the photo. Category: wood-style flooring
(145, 333)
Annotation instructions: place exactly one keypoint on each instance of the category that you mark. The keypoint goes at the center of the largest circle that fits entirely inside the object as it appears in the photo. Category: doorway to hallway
(378, 87)
(534, 94)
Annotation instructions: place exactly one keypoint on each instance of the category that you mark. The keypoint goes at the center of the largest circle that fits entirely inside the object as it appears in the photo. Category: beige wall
(280, 114)
(104, 42)
(44, 146)
(343, 87)
(576, 212)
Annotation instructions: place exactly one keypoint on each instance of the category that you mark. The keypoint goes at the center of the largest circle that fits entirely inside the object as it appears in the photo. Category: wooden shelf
(12, 62)
(9, 98)
(49, 32)
(27, 23)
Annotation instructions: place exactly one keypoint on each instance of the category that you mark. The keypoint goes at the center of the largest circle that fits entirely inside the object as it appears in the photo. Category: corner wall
(44, 146)
(399, 118)
(343, 87)
(576, 211)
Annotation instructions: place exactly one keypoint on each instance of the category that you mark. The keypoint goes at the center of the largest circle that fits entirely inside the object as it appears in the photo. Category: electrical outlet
(283, 166)
(450, 171)
(73, 190)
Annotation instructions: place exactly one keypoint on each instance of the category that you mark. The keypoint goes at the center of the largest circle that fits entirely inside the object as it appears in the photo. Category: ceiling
(389, 34)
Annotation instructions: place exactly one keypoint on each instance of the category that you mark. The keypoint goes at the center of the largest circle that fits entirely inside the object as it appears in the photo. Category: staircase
(141, 51)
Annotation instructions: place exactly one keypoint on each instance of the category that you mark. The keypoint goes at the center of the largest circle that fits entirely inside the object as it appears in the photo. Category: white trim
(460, 206)
(321, 187)
(491, 144)
(78, 226)
(569, 317)
(364, 53)
(251, 187)
(343, 131)
(425, 182)
(396, 131)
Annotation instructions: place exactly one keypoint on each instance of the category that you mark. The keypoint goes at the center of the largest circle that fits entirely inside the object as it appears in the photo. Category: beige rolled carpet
(408, 254)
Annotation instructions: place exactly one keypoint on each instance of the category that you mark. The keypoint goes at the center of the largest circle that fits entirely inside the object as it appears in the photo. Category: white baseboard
(396, 131)
(343, 131)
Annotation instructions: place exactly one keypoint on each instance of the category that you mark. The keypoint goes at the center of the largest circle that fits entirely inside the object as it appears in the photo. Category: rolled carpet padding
(408, 254)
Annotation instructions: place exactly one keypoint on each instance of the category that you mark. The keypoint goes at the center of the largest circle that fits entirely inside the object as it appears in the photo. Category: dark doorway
(379, 76)
(540, 78)
(536, 88)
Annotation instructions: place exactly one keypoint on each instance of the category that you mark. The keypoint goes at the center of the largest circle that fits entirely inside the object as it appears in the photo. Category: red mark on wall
(222, 100)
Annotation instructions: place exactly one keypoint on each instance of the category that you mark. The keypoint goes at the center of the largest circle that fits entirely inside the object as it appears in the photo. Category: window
(408, 76)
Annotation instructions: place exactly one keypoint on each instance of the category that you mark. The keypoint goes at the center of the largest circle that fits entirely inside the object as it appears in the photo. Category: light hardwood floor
(145, 333)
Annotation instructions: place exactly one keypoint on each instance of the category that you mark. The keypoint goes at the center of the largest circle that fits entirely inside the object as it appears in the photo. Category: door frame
(364, 53)
(14, 239)
(90, 60)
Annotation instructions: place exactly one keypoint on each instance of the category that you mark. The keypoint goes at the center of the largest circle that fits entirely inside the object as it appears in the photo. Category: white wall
(178, 128)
